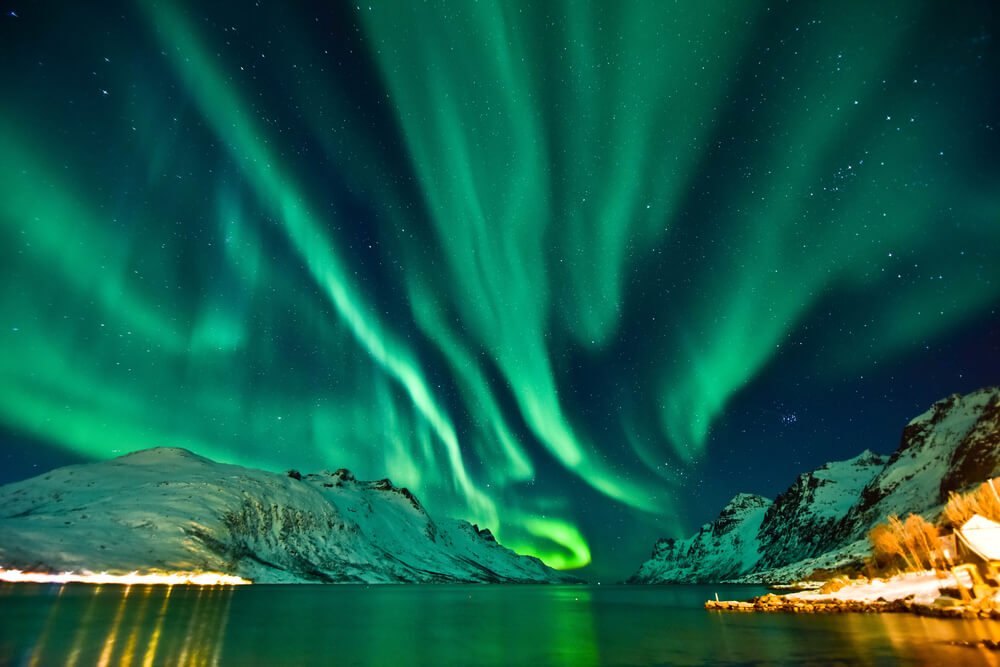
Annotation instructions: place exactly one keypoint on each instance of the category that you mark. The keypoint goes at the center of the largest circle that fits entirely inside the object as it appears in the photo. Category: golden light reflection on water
(850, 638)
(133, 637)
(134, 625)
(81, 629)
(109, 643)
(43, 638)
(192, 629)
(943, 641)
(154, 640)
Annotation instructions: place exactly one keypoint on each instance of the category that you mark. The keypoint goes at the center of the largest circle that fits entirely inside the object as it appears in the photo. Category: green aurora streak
(556, 146)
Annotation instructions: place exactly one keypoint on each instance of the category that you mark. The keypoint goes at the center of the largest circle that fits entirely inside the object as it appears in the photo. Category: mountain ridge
(821, 521)
(169, 509)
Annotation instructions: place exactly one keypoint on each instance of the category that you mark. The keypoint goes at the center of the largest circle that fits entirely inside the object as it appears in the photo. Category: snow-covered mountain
(725, 548)
(955, 444)
(822, 520)
(169, 509)
(802, 518)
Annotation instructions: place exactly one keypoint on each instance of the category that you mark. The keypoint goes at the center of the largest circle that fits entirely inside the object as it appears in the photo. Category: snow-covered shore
(921, 587)
(923, 593)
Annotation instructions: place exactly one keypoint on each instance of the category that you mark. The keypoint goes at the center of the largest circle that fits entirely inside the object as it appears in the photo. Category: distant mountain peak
(155, 455)
(747, 501)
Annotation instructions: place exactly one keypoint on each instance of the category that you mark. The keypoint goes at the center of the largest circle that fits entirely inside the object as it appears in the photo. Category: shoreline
(783, 604)
(921, 593)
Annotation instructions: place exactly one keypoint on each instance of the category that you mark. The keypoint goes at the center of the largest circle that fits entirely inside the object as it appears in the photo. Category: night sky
(578, 272)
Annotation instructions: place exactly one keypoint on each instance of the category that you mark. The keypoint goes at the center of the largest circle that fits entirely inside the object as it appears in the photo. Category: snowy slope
(822, 520)
(799, 524)
(169, 509)
(722, 549)
(952, 446)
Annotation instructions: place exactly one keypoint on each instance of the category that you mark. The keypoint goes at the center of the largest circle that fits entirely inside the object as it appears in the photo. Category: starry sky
(576, 271)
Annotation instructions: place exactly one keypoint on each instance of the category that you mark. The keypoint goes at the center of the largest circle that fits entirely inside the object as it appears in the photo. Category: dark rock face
(343, 475)
(385, 484)
(484, 533)
(951, 447)
(405, 492)
(799, 523)
(977, 456)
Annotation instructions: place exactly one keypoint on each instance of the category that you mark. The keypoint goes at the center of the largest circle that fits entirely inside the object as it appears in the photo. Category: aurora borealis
(576, 271)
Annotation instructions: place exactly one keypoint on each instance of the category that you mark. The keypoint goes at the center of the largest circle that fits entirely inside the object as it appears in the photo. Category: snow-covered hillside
(765, 535)
(799, 524)
(822, 520)
(953, 445)
(722, 549)
(169, 509)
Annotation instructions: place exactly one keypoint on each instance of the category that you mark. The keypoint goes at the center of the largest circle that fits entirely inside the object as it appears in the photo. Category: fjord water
(452, 625)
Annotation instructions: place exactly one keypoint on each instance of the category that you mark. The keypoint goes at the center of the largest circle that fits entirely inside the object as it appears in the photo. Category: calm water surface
(453, 625)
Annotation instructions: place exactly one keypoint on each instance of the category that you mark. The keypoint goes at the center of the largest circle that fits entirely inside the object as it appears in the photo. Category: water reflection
(467, 625)
(955, 641)
(856, 639)
(72, 624)
(422, 625)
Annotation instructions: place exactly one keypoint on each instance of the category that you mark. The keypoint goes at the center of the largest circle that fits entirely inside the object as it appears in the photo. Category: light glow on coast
(130, 579)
